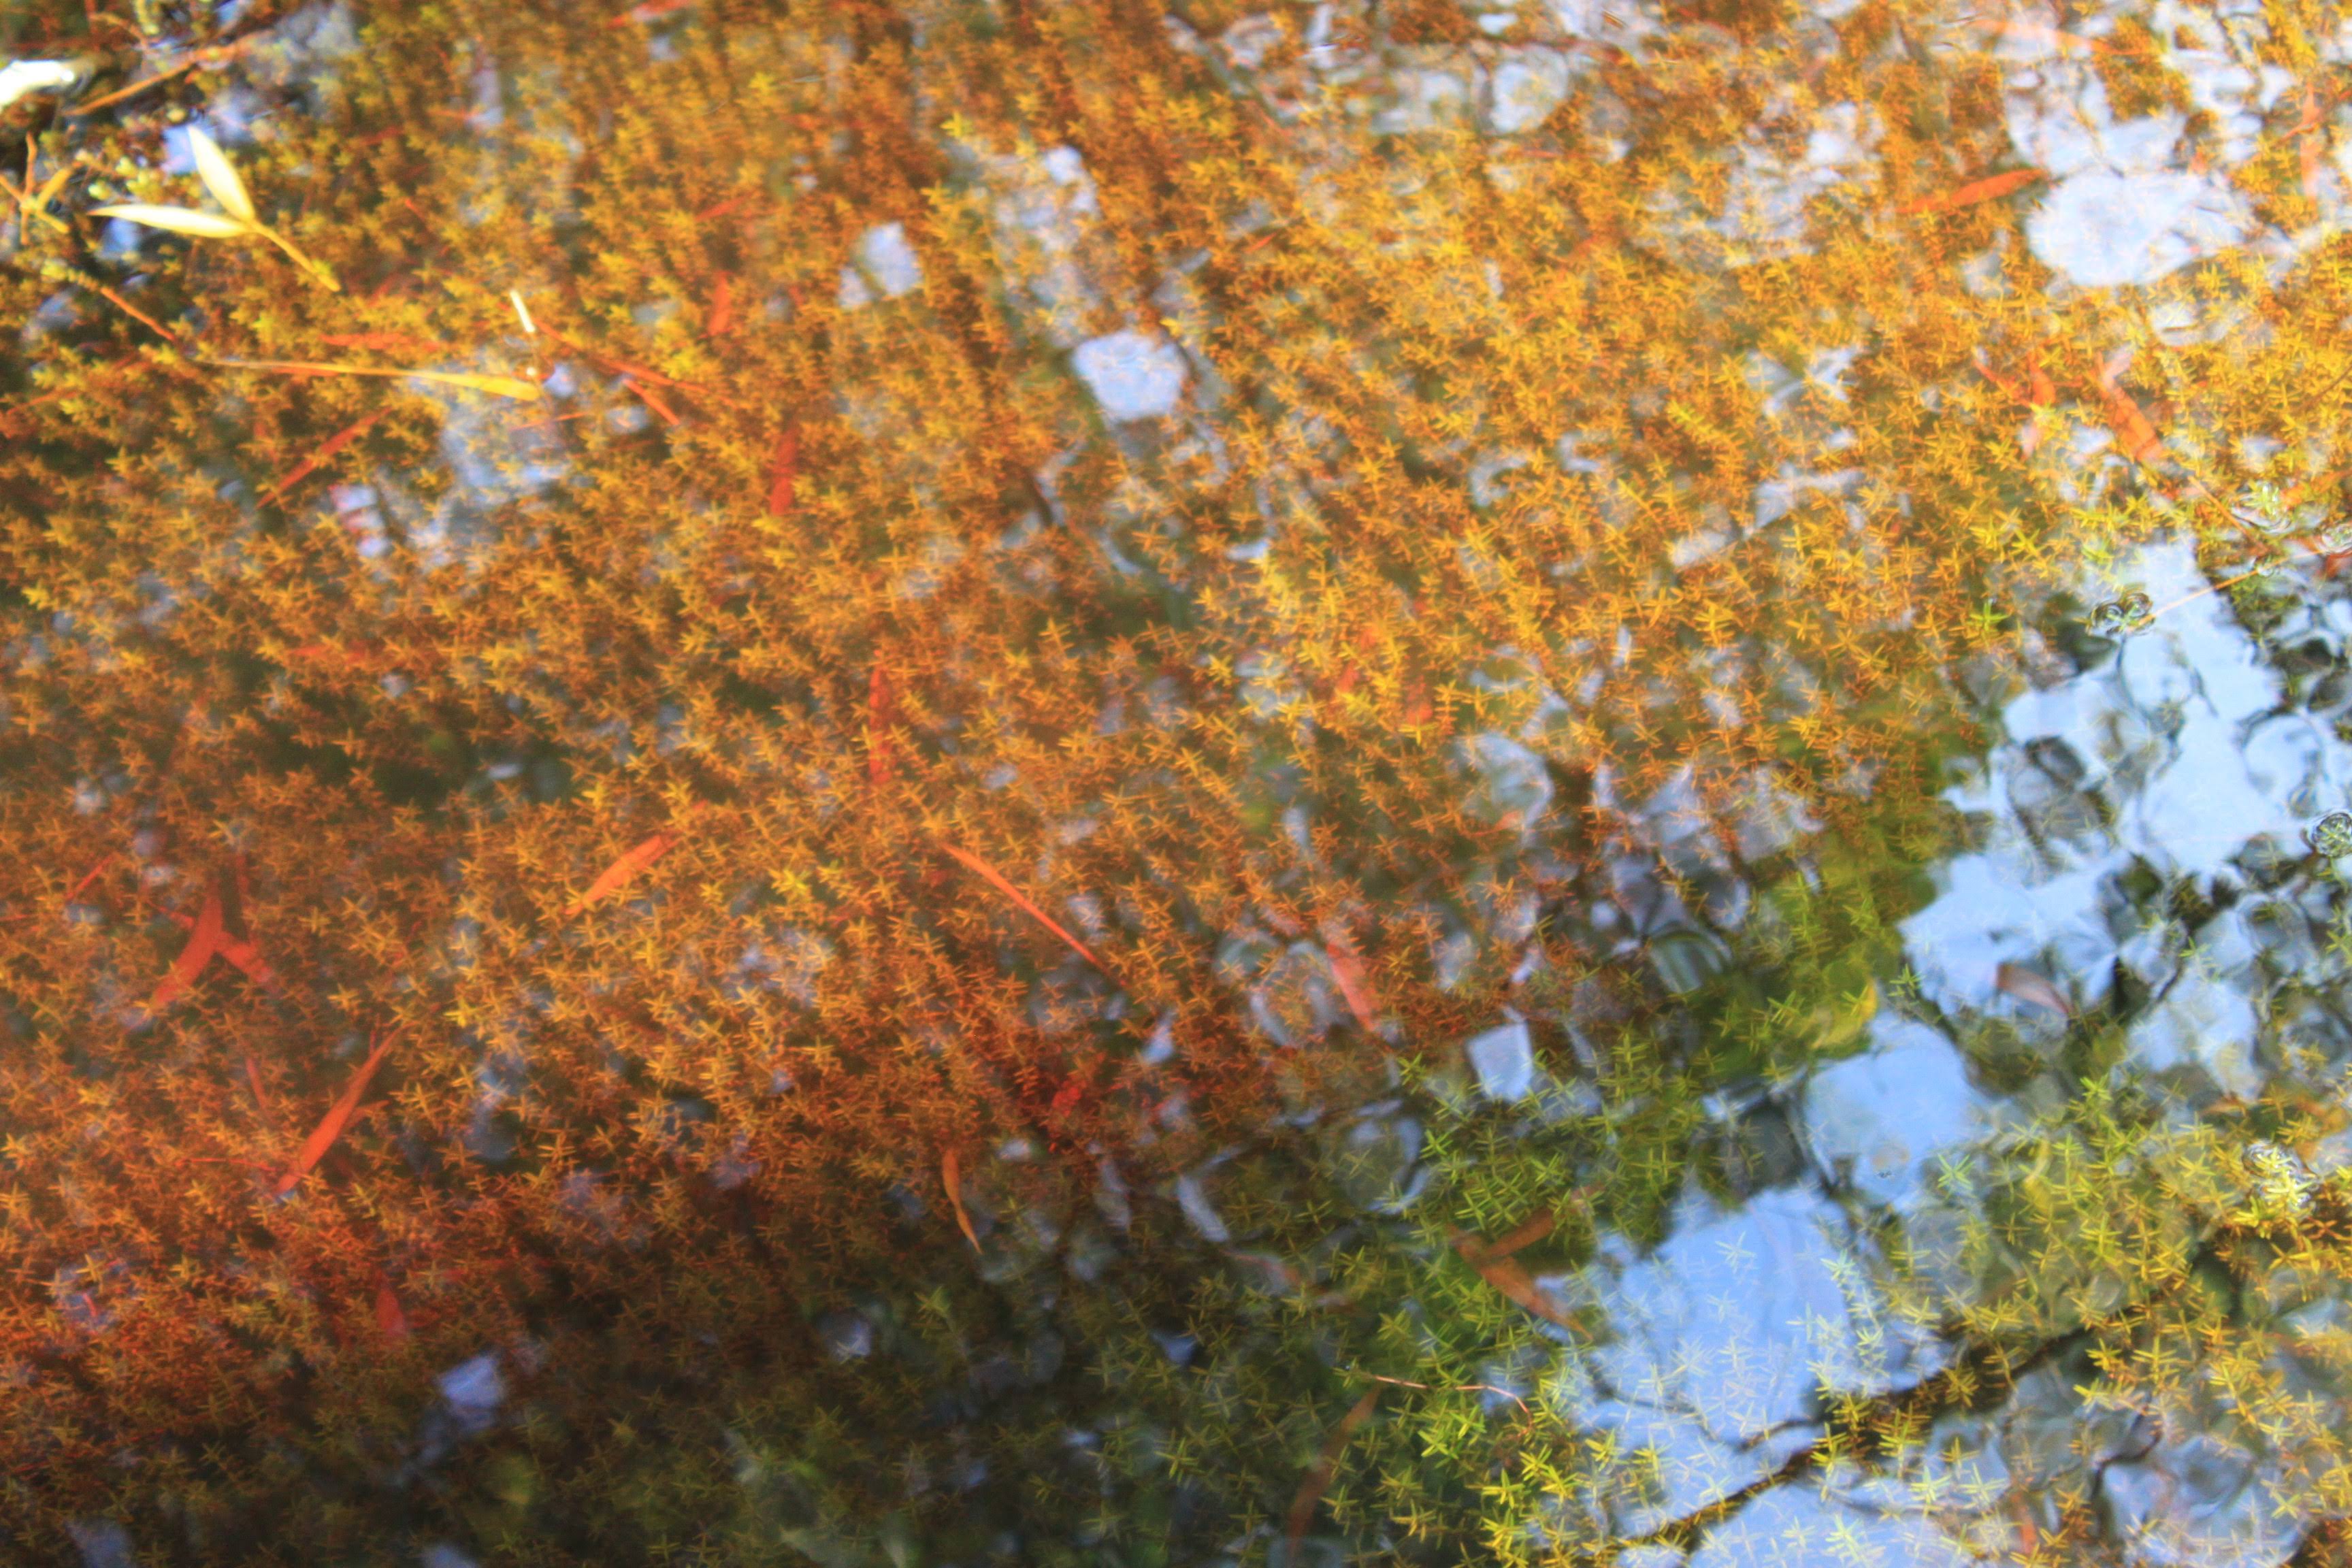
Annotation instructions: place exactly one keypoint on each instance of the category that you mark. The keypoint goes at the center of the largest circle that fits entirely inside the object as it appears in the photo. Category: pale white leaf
(219, 176)
(18, 78)
(178, 220)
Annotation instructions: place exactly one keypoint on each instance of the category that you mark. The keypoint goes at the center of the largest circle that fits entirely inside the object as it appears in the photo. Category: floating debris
(2133, 612)
(2332, 835)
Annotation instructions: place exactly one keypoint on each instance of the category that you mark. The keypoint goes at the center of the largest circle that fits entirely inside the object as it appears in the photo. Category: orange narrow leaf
(1347, 969)
(1507, 1276)
(2043, 33)
(879, 770)
(2027, 987)
(1992, 187)
(339, 1116)
(617, 875)
(334, 444)
(2043, 392)
(780, 469)
(1526, 1234)
(951, 1178)
(204, 940)
(2135, 436)
(140, 316)
(87, 878)
(1327, 1465)
(651, 399)
(996, 881)
(390, 1320)
(720, 316)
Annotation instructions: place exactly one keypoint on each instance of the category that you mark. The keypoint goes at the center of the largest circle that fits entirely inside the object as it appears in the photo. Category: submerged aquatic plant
(1162, 774)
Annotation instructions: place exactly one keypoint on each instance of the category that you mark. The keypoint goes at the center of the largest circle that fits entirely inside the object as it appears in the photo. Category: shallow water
(1943, 1132)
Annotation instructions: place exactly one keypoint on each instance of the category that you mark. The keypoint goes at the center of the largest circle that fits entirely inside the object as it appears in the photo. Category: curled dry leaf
(2027, 987)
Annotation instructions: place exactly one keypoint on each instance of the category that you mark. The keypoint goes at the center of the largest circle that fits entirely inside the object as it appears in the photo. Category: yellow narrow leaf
(177, 220)
(619, 874)
(502, 385)
(219, 176)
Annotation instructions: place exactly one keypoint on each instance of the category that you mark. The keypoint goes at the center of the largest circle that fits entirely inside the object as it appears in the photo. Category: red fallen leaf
(951, 1178)
(253, 1082)
(2028, 986)
(1347, 969)
(204, 939)
(390, 1320)
(879, 770)
(780, 469)
(1327, 1465)
(339, 1116)
(241, 951)
(1992, 187)
(334, 443)
(616, 876)
(997, 880)
(1066, 1098)
(720, 316)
